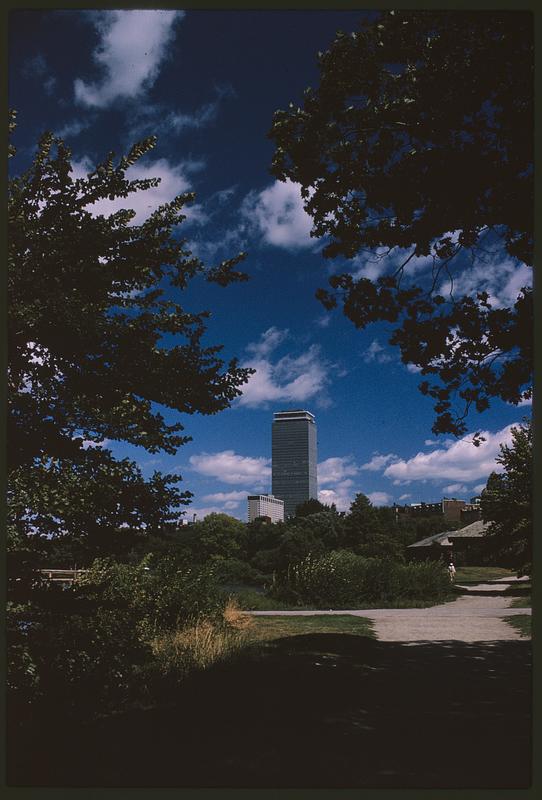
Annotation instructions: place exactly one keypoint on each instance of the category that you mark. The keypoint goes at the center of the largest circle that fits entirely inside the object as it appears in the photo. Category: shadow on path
(310, 711)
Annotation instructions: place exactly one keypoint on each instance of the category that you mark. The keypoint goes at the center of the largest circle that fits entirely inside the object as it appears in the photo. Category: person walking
(451, 571)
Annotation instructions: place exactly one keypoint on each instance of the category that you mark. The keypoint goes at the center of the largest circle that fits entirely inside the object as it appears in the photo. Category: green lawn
(482, 574)
(250, 600)
(522, 623)
(278, 627)
(522, 602)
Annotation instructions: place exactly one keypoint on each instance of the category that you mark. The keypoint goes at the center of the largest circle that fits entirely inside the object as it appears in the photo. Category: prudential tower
(293, 453)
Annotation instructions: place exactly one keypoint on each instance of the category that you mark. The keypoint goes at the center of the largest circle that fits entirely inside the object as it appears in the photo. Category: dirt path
(467, 619)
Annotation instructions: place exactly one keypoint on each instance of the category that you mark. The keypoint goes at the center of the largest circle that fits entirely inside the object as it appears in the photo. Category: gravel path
(467, 619)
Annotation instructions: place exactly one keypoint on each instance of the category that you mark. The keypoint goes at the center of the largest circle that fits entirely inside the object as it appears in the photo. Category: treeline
(250, 553)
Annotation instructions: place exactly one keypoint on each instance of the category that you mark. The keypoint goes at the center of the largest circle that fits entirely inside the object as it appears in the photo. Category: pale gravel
(467, 619)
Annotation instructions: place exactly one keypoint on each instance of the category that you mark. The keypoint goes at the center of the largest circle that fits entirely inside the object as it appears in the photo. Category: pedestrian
(451, 571)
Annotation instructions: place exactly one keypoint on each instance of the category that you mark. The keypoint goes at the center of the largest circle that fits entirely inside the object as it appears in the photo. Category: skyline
(103, 79)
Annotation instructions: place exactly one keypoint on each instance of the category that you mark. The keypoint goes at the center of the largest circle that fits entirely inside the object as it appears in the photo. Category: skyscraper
(293, 453)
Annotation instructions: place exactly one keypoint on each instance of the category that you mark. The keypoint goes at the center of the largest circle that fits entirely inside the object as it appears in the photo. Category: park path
(470, 618)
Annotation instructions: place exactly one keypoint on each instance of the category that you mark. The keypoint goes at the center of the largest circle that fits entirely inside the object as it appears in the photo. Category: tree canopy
(99, 344)
(418, 142)
(507, 502)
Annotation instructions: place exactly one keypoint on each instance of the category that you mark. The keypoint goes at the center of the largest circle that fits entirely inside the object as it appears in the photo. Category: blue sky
(207, 84)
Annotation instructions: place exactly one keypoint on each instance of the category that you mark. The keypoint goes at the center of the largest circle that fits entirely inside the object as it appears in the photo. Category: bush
(342, 579)
(91, 647)
(235, 571)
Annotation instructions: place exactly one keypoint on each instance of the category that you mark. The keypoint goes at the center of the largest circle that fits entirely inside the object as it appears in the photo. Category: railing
(62, 575)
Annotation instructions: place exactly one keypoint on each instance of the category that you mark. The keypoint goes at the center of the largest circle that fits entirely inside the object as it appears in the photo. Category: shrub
(91, 647)
(342, 579)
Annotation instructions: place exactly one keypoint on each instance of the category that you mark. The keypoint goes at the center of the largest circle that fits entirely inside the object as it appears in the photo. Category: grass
(522, 623)
(482, 574)
(250, 600)
(522, 602)
(200, 645)
(265, 629)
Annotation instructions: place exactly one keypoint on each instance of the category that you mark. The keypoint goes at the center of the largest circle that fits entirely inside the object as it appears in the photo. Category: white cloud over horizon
(230, 467)
(336, 469)
(380, 498)
(459, 462)
(341, 495)
(454, 488)
(378, 462)
(132, 46)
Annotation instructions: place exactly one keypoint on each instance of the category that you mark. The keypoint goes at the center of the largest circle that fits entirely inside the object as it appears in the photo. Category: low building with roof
(465, 546)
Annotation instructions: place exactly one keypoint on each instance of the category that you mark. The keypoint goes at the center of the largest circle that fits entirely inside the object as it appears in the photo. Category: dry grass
(203, 643)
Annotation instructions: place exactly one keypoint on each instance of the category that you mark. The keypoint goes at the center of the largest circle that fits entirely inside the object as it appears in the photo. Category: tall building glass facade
(293, 453)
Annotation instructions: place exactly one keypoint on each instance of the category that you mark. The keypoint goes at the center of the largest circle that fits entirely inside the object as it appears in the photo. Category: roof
(473, 531)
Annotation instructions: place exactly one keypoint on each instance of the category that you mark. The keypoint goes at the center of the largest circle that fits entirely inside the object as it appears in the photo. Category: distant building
(419, 510)
(265, 505)
(293, 452)
(449, 508)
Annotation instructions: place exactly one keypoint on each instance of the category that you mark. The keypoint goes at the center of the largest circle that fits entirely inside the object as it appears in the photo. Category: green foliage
(217, 535)
(235, 571)
(421, 126)
(312, 506)
(97, 337)
(371, 532)
(88, 648)
(342, 579)
(507, 502)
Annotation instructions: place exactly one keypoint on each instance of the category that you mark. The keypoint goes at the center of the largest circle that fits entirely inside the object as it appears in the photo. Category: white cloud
(382, 261)
(323, 321)
(39, 68)
(376, 352)
(461, 461)
(173, 181)
(413, 368)
(132, 46)
(405, 496)
(226, 497)
(268, 341)
(501, 279)
(342, 495)
(336, 469)
(202, 116)
(277, 213)
(455, 488)
(380, 498)
(90, 443)
(72, 128)
(229, 467)
(203, 512)
(478, 488)
(290, 379)
(378, 462)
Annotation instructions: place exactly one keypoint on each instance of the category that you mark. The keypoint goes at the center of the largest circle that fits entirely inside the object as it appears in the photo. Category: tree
(312, 506)
(368, 532)
(418, 142)
(507, 502)
(97, 343)
(217, 535)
